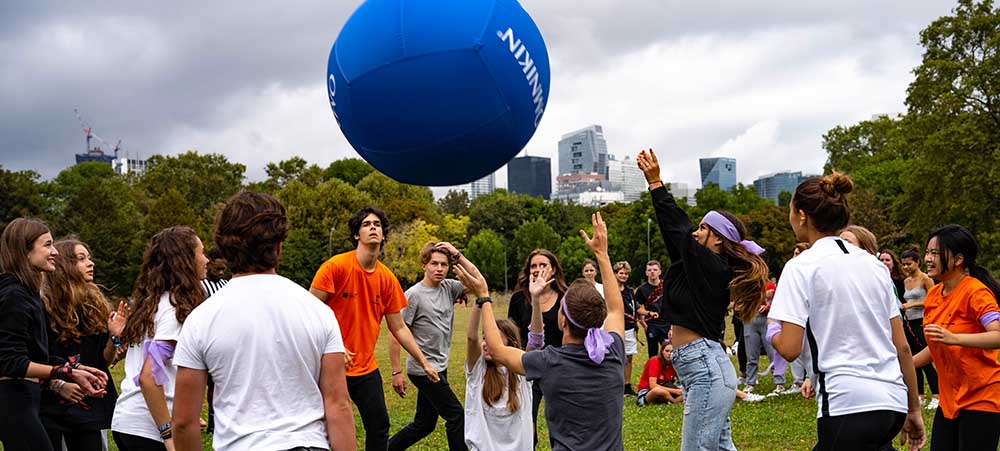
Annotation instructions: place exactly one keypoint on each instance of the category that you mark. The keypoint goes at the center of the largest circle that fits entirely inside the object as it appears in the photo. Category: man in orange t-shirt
(361, 291)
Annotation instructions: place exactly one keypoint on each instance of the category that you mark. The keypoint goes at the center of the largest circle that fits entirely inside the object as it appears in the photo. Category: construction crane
(88, 131)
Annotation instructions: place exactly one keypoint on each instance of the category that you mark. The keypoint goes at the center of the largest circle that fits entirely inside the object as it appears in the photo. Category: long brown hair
(493, 383)
(896, 272)
(168, 266)
(69, 298)
(747, 287)
(586, 306)
(16, 242)
(824, 199)
(525, 276)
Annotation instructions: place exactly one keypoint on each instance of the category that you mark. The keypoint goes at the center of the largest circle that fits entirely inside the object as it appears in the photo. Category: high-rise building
(481, 187)
(121, 165)
(531, 176)
(681, 190)
(772, 185)
(720, 171)
(583, 152)
(625, 176)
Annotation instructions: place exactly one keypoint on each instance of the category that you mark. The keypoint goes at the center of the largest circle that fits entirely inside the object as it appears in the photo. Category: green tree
(295, 168)
(204, 180)
(499, 211)
(486, 251)
(769, 228)
(572, 252)
(350, 170)
(455, 230)
(533, 235)
(402, 250)
(22, 195)
(402, 202)
(456, 202)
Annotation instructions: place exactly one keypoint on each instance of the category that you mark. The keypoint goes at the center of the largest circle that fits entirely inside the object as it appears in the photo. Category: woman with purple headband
(710, 267)
(582, 380)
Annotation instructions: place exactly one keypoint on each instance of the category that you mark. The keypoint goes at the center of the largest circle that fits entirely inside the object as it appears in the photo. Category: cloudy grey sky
(758, 81)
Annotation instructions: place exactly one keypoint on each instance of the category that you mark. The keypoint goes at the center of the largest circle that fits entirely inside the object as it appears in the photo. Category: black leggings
(972, 430)
(20, 426)
(129, 442)
(914, 329)
(864, 431)
(77, 441)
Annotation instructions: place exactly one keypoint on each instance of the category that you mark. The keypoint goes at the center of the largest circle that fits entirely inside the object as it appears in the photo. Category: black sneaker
(629, 391)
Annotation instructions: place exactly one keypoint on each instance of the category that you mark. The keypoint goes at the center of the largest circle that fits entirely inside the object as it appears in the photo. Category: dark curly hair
(249, 229)
(354, 223)
(169, 265)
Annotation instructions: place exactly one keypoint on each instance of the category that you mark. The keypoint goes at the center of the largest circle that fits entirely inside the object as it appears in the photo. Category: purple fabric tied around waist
(598, 340)
(772, 330)
(159, 354)
(726, 228)
(989, 317)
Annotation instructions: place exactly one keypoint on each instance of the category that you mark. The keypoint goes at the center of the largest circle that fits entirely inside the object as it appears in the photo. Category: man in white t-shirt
(276, 355)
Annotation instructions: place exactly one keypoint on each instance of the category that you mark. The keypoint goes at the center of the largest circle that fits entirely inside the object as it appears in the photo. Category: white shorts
(631, 344)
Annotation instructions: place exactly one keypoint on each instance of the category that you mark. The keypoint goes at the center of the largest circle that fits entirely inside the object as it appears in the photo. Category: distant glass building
(772, 185)
(720, 171)
(625, 176)
(531, 176)
(584, 151)
(481, 187)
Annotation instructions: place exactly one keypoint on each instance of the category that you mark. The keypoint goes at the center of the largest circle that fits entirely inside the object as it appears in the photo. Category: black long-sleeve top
(696, 285)
(22, 328)
(59, 415)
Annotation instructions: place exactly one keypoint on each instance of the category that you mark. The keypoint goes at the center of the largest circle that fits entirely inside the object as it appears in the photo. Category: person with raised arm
(583, 379)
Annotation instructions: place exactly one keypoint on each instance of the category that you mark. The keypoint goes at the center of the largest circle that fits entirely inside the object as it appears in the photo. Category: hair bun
(837, 184)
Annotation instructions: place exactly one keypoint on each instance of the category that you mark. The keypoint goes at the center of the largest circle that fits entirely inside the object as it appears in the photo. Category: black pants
(741, 350)
(433, 400)
(972, 430)
(129, 442)
(211, 408)
(20, 426)
(655, 334)
(914, 329)
(536, 401)
(77, 441)
(865, 431)
(366, 393)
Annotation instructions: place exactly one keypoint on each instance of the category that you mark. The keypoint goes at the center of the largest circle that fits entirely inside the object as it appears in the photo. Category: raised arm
(674, 223)
(507, 356)
(473, 347)
(615, 321)
(536, 329)
(467, 265)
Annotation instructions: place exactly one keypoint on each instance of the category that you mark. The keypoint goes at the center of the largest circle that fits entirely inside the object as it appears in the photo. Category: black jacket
(22, 328)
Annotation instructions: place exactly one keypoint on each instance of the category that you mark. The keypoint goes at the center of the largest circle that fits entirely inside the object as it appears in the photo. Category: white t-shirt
(846, 298)
(495, 428)
(131, 413)
(261, 338)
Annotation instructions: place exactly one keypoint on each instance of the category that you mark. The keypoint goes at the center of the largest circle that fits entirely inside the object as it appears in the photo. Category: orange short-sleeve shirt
(359, 299)
(969, 379)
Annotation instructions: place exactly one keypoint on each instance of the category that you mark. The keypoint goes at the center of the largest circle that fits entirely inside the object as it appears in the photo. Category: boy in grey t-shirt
(430, 316)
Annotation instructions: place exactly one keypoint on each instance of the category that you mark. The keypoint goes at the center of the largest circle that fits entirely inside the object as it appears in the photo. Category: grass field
(781, 423)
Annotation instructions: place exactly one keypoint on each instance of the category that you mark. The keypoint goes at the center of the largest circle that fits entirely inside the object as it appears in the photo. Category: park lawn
(783, 423)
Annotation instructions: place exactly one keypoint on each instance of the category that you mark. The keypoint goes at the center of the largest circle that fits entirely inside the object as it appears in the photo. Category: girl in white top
(167, 290)
(497, 401)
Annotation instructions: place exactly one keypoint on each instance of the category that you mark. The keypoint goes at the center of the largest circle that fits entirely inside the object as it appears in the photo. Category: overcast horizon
(759, 82)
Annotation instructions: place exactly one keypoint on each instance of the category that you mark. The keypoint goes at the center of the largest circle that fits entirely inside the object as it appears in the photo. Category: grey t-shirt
(583, 400)
(430, 316)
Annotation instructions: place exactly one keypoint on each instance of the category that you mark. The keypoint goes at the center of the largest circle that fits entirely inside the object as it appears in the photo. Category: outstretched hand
(599, 243)
(476, 285)
(539, 282)
(649, 166)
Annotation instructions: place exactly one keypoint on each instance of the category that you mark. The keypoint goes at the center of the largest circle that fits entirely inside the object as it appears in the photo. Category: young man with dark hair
(430, 316)
(361, 291)
(649, 298)
(276, 355)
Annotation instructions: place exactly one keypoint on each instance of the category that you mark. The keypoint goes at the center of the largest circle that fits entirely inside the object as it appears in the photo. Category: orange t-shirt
(969, 379)
(359, 299)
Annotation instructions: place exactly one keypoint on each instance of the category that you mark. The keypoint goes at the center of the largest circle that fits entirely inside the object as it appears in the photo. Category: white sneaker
(778, 391)
(794, 389)
(753, 397)
(932, 405)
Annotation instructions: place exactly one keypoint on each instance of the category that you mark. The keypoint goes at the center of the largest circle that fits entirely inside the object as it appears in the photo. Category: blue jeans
(709, 392)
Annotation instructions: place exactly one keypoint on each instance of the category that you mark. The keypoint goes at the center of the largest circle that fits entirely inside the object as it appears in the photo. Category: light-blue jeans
(709, 392)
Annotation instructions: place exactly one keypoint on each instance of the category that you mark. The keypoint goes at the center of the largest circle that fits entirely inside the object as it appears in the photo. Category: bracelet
(483, 300)
(164, 427)
(456, 257)
(116, 341)
(65, 370)
(57, 385)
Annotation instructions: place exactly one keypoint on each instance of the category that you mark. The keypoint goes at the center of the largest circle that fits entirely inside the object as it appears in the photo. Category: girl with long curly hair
(80, 323)
(167, 290)
(26, 253)
(711, 267)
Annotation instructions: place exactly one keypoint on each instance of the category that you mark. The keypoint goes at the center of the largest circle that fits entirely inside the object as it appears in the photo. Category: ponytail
(986, 278)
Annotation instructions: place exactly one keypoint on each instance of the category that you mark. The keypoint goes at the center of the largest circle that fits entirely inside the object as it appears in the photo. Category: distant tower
(720, 171)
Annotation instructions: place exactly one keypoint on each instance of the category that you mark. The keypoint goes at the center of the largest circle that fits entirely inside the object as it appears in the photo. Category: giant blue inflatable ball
(438, 92)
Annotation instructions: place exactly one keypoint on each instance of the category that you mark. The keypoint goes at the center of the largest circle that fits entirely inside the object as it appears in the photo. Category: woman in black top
(80, 323)
(710, 267)
(27, 251)
(519, 311)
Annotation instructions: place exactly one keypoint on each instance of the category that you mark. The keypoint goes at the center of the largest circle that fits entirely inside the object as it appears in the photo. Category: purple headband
(598, 340)
(726, 228)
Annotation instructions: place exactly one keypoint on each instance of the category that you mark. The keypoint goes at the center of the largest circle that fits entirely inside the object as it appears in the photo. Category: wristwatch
(116, 341)
(483, 300)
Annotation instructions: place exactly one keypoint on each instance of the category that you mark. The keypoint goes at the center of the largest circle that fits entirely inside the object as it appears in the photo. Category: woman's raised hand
(538, 283)
(599, 243)
(649, 166)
